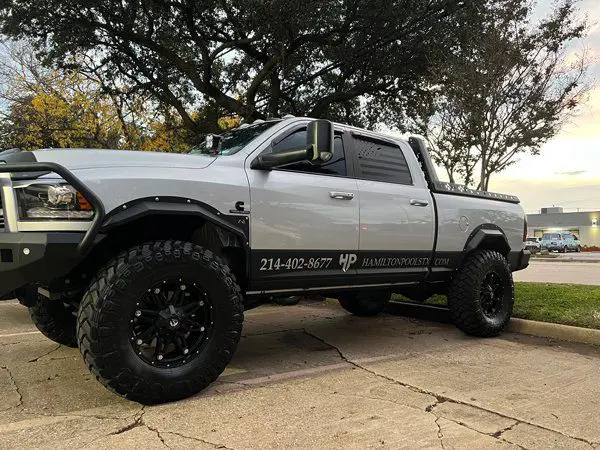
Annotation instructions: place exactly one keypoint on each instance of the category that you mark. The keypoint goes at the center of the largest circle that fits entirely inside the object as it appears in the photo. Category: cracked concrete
(37, 358)
(311, 376)
(15, 388)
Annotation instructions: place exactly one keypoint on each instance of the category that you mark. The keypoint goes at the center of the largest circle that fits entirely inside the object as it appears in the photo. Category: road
(312, 376)
(560, 272)
(579, 256)
(584, 256)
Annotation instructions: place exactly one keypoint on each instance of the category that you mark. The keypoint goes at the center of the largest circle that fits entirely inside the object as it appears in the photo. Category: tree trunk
(275, 94)
(483, 171)
(450, 173)
(486, 185)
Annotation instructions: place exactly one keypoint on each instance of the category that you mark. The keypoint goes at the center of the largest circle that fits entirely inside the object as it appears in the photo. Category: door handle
(341, 195)
(415, 202)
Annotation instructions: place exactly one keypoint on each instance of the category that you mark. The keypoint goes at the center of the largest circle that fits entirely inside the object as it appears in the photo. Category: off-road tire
(465, 294)
(55, 319)
(104, 331)
(365, 304)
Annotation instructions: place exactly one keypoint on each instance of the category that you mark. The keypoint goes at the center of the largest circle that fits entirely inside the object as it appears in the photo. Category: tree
(45, 107)
(506, 89)
(350, 60)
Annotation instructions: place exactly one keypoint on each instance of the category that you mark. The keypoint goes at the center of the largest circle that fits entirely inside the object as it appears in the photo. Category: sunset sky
(567, 172)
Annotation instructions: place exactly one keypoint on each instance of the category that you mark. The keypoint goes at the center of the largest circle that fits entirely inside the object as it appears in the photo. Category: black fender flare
(175, 206)
(237, 224)
(485, 235)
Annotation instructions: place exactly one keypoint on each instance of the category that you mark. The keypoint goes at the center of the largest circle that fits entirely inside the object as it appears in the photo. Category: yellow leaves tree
(229, 121)
(63, 111)
(44, 107)
(55, 108)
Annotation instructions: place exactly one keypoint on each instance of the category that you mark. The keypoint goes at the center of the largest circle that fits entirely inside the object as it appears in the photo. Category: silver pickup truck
(147, 261)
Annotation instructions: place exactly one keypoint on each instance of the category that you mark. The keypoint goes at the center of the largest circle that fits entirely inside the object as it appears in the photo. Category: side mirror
(212, 142)
(319, 141)
(318, 150)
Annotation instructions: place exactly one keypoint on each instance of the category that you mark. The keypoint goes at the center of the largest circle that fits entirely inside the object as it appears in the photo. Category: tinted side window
(380, 161)
(294, 141)
(297, 140)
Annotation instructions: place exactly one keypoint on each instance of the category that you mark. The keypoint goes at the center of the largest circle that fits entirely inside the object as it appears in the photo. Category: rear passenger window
(379, 161)
(297, 140)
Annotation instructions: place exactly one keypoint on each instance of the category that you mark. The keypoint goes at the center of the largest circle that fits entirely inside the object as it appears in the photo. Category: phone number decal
(269, 264)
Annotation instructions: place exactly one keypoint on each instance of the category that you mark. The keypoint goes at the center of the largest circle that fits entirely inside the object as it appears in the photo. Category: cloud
(572, 173)
(536, 194)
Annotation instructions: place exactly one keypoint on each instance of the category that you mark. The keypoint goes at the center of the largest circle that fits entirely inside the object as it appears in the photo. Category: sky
(567, 171)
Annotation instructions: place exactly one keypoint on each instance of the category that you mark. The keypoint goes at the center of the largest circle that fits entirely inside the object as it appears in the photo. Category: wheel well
(155, 228)
(496, 244)
(488, 237)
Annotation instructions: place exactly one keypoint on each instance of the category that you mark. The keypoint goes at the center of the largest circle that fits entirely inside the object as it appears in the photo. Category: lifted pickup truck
(147, 261)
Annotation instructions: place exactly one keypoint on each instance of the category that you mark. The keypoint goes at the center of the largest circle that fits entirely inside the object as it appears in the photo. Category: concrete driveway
(312, 376)
(560, 272)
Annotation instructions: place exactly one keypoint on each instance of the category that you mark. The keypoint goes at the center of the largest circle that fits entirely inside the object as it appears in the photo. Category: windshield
(550, 236)
(235, 140)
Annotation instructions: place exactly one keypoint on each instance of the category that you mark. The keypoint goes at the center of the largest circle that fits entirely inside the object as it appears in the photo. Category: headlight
(52, 202)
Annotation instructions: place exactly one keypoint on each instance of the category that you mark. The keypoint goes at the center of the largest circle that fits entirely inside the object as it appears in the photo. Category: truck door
(396, 212)
(303, 219)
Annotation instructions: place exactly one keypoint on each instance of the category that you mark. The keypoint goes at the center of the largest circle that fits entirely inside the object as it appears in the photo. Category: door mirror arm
(270, 161)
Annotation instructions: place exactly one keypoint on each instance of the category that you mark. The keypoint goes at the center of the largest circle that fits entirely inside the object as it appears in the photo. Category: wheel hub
(172, 323)
(170, 318)
(492, 294)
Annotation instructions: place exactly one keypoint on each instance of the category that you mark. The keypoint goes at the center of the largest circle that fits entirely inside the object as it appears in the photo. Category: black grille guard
(39, 168)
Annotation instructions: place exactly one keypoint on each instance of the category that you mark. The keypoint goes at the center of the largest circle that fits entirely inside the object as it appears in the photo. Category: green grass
(568, 304)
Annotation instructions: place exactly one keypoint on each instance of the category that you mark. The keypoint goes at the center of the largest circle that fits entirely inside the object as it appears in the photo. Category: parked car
(532, 244)
(560, 242)
(147, 261)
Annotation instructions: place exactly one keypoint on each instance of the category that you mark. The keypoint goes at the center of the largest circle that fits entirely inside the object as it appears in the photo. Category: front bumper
(519, 260)
(27, 258)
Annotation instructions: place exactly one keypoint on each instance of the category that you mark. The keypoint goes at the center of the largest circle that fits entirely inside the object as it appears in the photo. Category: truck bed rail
(419, 147)
(442, 187)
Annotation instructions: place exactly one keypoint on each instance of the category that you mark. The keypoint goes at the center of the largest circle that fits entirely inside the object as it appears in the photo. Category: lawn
(569, 304)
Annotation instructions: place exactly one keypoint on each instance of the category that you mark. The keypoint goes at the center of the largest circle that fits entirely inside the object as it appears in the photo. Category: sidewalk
(584, 257)
(312, 376)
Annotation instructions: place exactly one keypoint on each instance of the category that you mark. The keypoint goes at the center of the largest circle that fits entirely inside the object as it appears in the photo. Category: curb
(441, 314)
(555, 331)
(564, 260)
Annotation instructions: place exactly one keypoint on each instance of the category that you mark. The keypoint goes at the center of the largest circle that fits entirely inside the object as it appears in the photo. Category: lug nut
(160, 357)
(182, 287)
(201, 328)
(201, 303)
(138, 313)
(185, 351)
(157, 291)
(139, 342)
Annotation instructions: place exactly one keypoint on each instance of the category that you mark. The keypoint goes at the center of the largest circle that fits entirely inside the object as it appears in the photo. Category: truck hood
(76, 159)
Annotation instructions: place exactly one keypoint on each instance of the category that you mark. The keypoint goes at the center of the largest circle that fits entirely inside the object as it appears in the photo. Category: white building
(585, 225)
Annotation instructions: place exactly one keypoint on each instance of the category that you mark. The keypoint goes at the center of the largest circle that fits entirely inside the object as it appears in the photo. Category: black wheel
(365, 304)
(481, 295)
(563, 250)
(160, 322)
(56, 319)
(578, 249)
